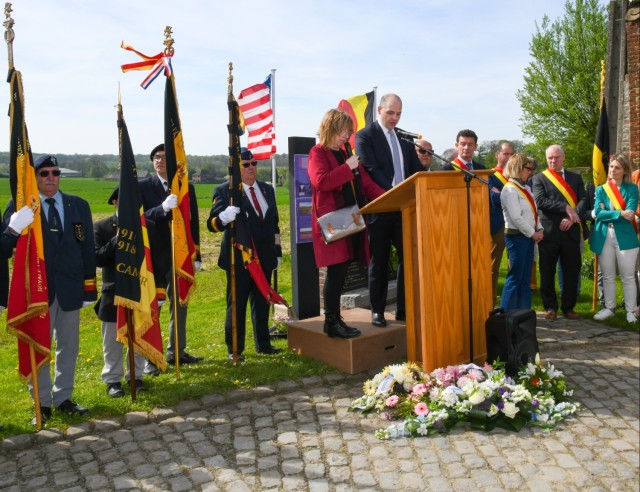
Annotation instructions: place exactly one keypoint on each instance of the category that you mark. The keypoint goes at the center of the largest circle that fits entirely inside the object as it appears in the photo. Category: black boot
(335, 327)
(349, 329)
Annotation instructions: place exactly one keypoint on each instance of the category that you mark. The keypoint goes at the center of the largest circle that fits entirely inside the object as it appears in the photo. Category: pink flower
(392, 401)
(421, 409)
(420, 389)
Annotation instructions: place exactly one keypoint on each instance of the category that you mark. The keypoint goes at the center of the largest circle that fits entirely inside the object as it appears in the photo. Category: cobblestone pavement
(297, 435)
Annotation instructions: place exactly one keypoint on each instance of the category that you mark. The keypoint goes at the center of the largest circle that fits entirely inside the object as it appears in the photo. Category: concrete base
(359, 298)
(374, 349)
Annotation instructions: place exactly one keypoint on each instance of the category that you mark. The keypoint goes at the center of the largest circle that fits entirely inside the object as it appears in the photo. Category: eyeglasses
(348, 132)
(422, 151)
(247, 164)
(159, 158)
(530, 169)
(44, 174)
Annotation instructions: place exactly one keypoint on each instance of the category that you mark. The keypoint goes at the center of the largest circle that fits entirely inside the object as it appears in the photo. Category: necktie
(397, 169)
(53, 218)
(256, 203)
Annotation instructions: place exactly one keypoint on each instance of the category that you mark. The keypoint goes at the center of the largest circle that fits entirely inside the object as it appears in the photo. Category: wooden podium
(434, 234)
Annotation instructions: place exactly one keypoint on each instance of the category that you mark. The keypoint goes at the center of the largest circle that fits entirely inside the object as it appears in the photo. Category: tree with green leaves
(561, 96)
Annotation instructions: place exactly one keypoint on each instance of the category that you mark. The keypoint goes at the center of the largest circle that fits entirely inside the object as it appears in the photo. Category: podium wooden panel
(434, 234)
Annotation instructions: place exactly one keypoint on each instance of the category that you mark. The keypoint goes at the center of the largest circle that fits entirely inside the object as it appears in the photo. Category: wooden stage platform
(374, 349)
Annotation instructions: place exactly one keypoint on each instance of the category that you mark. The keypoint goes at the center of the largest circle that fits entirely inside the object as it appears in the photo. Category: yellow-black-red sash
(525, 193)
(498, 174)
(619, 203)
(460, 163)
(562, 186)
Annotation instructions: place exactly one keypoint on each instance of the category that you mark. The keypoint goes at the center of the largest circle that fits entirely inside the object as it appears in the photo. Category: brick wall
(632, 131)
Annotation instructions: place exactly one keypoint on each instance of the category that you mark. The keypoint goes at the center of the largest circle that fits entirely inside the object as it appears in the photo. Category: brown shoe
(551, 314)
(571, 314)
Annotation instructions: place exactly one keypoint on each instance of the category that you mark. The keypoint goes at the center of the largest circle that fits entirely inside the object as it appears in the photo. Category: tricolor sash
(498, 174)
(563, 187)
(525, 193)
(460, 163)
(619, 203)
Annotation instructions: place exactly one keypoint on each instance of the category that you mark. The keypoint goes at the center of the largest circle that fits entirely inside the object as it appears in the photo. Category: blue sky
(455, 64)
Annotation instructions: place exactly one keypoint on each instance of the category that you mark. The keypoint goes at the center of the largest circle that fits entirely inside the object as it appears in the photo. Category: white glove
(169, 203)
(21, 219)
(87, 303)
(198, 265)
(2, 308)
(161, 302)
(229, 214)
(279, 262)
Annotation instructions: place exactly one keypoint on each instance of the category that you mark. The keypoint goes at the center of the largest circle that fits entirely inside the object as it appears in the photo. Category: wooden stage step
(374, 349)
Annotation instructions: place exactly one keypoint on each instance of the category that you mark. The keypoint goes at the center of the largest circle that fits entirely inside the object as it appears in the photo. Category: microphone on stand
(402, 133)
(347, 147)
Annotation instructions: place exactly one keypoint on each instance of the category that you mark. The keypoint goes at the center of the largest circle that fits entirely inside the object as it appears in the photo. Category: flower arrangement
(486, 397)
(279, 327)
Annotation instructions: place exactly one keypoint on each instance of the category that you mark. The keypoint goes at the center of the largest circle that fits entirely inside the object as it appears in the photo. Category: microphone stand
(468, 176)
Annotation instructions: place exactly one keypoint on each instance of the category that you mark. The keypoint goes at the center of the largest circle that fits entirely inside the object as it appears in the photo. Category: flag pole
(272, 102)
(233, 143)
(9, 36)
(603, 72)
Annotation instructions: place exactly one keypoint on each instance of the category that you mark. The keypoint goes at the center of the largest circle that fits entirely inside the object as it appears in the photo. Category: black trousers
(383, 232)
(246, 290)
(568, 251)
(333, 285)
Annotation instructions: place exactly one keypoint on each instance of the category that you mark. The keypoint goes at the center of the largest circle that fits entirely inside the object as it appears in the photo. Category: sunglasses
(421, 151)
(44, 174)
(247, 164)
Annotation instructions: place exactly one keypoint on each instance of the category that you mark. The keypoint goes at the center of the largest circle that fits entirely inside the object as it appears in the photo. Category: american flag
(255, 105)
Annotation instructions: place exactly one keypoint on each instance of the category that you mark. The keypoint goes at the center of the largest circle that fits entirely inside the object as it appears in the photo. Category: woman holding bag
(615, 237)
(338, 180)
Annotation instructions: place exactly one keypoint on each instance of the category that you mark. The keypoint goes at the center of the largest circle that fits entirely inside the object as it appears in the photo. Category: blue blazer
(625, 233)
(496, 217)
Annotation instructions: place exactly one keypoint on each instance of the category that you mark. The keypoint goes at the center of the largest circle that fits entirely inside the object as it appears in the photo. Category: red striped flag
(255, 104)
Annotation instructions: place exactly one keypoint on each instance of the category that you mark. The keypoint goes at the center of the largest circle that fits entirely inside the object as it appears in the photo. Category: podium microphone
(406, 134)
(347, 147)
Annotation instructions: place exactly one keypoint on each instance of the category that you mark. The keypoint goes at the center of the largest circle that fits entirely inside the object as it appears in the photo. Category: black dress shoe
(401, 316)
(71, 408)
(185, 359)
(377, 319)
(140, 386)
(114, 390)
(45, 414)
(240, 357)
(334, 327)
(270, 351)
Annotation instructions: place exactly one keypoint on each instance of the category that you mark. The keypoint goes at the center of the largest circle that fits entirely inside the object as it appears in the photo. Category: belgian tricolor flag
(601, 148)
(361, 110)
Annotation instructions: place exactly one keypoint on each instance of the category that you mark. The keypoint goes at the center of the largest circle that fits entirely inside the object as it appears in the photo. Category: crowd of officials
(545, 215)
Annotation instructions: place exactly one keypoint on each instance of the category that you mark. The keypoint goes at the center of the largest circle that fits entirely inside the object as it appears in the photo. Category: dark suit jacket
(153, 195)
(7, 243)
(70, 262)
(375, 155)
(474, 165)
(263, 232)
(552, 205)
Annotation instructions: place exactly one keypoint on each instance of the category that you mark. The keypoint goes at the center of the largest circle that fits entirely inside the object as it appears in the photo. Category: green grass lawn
(205, 334)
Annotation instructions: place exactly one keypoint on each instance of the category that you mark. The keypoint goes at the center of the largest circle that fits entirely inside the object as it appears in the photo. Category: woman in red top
(338, 180)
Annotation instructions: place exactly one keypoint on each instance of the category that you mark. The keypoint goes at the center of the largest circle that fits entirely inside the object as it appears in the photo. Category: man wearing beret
(258, 204)
(157, 202)
(104, 233)
(70, 262)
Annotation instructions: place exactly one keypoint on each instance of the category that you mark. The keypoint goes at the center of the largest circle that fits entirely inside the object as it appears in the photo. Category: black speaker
(511, 336)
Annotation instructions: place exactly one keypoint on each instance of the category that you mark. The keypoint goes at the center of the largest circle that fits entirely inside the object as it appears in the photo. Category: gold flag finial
(9, 35)
(168, 41)
(230, 79)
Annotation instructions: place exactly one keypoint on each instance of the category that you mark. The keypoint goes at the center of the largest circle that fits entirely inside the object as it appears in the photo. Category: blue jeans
(517, 289)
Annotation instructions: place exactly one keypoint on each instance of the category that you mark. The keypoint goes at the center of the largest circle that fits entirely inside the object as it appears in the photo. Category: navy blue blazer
(375, 155)
(265, 234)
(71, 262)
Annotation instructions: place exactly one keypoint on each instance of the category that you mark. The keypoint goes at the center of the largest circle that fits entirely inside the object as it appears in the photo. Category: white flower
(422, 430)
(449, 397)
(493, 410)
(477, 397)
(510, 409)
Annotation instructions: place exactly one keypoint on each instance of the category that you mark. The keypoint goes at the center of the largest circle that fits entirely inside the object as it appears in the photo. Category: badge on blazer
(78, 231)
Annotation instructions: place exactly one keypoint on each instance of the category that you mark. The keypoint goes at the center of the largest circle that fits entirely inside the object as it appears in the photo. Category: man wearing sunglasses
(158, 202)
(422, 146)
(69, 253)
(258, 206)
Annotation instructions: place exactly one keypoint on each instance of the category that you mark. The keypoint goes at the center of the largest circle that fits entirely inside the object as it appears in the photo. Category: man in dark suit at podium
(389, 160)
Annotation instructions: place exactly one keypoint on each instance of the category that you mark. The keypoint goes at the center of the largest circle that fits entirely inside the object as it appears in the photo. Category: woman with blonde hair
(522, 230)
(338, 180)
(615, 237)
